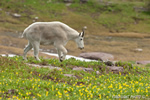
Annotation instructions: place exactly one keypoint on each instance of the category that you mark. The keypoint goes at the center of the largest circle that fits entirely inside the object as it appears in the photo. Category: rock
(11, 91)
(82, 68)
(49, 1)
(138, 50)
(8, 13)
(110, 63)
(139, 9)
(68, 4)
(77, 68)
(88, 69)
(115, 68)
(97, 56)
(83, 1)
(85, 27)
(16, 15)
(41, 66)
(68, 1)
(109, 37)
(33, 21)
(143, 62)
(36, 18)
(70, 75)
(97, 72)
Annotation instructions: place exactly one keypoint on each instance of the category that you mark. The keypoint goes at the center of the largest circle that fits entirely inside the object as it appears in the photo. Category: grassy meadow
(20, 81)
(100, 17)
(117, 27)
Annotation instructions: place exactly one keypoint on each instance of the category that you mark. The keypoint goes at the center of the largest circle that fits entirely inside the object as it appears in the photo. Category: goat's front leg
(36, 50)
(61, 52)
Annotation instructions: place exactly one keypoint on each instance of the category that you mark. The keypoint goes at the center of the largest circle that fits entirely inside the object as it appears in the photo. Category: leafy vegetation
(18, 80)
(148, 5)
(148, 65)
(21, 81)
(111, 15)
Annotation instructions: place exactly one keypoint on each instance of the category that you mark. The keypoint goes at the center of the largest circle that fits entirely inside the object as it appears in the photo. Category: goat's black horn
(83, 32)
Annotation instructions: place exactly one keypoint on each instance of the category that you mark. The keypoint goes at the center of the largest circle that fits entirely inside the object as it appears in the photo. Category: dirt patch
(121, 45)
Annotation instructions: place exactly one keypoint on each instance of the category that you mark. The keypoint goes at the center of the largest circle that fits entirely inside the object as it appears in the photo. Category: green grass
(19, 81)
(117, 16)
(148, 65)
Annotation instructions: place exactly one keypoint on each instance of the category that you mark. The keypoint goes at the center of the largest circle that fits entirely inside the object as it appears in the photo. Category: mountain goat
(48, 33)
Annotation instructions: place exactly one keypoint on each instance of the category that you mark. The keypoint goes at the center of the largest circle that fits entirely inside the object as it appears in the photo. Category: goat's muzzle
(81, 48)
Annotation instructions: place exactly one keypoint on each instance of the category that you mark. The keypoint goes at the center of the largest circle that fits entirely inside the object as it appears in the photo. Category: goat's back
(49, 30)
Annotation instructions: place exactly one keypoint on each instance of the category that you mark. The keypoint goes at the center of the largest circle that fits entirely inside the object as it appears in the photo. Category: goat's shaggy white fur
(47, 33)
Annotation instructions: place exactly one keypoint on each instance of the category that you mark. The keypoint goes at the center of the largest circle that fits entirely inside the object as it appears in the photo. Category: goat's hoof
(60, 60)
(37, 58)
(25, 59)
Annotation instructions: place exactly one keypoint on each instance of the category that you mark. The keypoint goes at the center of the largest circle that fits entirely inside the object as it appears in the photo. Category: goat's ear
(82, 33)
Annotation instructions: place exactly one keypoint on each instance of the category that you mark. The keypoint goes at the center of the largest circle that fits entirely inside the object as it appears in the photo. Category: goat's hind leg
(26, 49)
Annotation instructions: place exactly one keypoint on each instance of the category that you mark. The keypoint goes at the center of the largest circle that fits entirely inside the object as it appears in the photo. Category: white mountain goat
(47, 33)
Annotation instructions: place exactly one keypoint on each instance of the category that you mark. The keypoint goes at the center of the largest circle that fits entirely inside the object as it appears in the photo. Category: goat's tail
(22, 35)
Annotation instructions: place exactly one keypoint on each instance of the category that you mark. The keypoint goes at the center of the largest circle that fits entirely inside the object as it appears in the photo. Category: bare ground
(122, 45)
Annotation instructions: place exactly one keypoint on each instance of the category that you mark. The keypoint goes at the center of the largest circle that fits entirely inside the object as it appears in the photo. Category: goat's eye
(81, 39)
